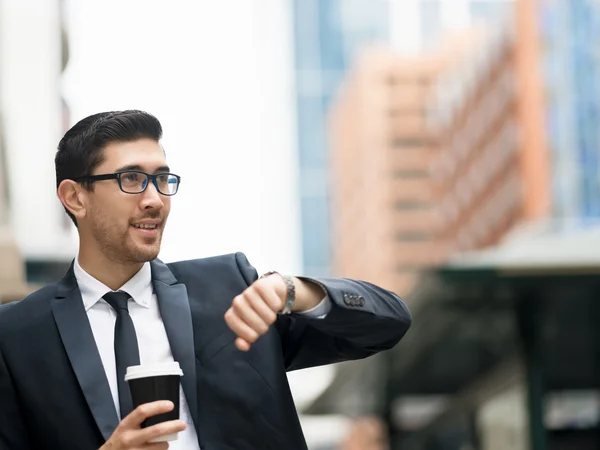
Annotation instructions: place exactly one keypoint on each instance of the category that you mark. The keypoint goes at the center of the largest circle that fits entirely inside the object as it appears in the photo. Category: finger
(239, 327)
(142, 412)
(157, 446)
(146, 435)
(261, 306)
(242, 344)
(269, 294)
(245, 310)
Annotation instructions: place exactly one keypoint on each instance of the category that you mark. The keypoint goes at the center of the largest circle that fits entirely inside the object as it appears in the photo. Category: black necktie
(126, 346)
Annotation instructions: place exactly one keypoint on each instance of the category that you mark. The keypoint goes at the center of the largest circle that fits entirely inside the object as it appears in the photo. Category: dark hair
(80, 150)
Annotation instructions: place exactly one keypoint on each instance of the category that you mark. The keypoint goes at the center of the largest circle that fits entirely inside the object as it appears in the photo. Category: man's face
(114, 218)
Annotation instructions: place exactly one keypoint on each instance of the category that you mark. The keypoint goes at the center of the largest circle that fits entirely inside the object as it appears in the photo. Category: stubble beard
(124, 250)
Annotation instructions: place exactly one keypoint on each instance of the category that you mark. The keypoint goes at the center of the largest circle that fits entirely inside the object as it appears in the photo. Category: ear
(73, 197)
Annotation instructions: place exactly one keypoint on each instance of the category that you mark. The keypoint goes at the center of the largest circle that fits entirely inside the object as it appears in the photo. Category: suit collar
(176, 314)
(161, 272)
(77, 337)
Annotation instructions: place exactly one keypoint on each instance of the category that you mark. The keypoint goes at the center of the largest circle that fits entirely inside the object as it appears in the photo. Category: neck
(113, 274)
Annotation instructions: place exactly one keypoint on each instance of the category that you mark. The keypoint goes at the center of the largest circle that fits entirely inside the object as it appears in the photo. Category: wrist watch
(291, 291)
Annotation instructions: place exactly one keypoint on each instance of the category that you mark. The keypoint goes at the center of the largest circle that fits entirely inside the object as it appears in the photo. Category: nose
(151, 198)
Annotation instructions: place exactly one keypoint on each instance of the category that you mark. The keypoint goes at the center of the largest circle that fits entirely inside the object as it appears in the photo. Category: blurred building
(12, 267)
(571, 65)
(426, 157)
(493, 328)
(327, 36)
(33, 53)
(418, 25)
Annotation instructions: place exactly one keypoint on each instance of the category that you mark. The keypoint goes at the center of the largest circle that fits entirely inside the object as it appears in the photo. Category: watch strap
(290, 291)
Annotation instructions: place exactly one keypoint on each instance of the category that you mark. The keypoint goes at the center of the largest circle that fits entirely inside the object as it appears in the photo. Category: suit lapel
(177, 317)
(78, 340)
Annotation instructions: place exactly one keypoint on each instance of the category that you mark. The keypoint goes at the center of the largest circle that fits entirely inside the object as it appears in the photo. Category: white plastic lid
(153, 370)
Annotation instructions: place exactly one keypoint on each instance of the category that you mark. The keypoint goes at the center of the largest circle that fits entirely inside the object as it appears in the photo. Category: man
(64, 349)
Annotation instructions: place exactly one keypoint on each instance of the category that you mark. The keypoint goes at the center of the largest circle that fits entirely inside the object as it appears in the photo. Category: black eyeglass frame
(117, 176)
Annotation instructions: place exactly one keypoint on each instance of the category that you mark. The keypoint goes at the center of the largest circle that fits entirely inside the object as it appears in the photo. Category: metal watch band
(291, 294)
(291, 291)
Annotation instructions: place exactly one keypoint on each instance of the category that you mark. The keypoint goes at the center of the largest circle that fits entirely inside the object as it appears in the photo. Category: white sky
(218, 74)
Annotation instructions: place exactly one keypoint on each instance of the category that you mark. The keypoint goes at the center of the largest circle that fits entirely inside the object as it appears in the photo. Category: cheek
(113, 214)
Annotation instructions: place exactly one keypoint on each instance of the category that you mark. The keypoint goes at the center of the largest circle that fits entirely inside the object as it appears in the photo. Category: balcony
(409, 96)
(418, 254)
(417, 190)
(409, 128)
(424, 220)
(410, 159)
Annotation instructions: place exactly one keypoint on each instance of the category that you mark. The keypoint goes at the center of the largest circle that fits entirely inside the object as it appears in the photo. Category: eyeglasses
(136, 182)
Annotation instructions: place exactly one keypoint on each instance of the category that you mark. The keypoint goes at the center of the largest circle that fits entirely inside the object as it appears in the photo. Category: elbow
(398, 330)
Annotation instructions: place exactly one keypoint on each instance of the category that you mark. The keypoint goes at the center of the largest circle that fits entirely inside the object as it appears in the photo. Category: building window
(407, 112)
(413, 236)
(411, 205)
(407, 142)
(411, 173)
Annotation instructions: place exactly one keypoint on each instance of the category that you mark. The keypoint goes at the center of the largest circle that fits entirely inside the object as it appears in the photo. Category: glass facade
(571, 65)
(327, 34)
(490, 9)
(433, 20)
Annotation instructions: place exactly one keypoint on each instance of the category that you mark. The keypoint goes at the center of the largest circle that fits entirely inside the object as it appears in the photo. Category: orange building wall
(434, 155)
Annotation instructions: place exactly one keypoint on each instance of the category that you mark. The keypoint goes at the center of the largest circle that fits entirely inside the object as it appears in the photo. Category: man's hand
(255, 309)
(130, 436)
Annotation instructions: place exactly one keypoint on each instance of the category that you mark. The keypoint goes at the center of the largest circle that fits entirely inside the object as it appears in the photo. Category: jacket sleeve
(364, 319)
(13, 434)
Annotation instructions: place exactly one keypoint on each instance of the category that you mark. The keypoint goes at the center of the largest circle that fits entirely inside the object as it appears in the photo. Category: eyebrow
(137, 167)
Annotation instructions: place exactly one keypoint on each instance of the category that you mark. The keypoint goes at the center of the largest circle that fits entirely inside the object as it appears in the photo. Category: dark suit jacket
(54, 393)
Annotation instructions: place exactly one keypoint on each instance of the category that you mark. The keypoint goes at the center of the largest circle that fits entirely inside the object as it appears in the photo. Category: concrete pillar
(502, 422)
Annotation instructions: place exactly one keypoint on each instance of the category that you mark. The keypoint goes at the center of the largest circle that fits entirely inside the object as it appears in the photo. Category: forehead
(146, 153)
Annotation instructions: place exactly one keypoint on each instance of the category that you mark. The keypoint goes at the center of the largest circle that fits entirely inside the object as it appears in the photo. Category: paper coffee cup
(152, 382)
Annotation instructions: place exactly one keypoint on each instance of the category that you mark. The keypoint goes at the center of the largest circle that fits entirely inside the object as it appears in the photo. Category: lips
(146, 226)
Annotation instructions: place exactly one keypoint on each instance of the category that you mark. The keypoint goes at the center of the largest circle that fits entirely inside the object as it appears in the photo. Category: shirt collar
(139, 286)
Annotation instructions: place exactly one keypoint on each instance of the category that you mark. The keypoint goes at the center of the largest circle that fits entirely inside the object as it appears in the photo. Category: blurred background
(448, 150)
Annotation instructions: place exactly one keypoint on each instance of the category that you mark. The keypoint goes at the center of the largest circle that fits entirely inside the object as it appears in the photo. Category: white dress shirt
(151, 334)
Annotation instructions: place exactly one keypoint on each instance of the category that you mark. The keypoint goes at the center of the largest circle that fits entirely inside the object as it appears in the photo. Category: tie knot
(118, 300)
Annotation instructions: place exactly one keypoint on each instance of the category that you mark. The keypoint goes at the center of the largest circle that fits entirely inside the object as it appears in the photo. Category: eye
(163, 178)
(130, 177)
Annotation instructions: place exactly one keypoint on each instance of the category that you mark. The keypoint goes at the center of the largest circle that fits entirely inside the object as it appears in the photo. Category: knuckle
(255, 299)
(144, 410)
(260, 285)
(126, 440)
(251, 336)
(262, 328)
(158, 429)
(239, 301)
(274, 307)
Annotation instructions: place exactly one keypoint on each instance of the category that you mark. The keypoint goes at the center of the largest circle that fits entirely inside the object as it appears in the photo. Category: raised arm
(363, 318)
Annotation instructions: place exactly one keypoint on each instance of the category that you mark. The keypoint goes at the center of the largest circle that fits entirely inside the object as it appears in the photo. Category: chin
(144, 254)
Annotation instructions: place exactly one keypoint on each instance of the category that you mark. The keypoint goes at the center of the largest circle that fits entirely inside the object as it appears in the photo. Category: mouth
(147, 229)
